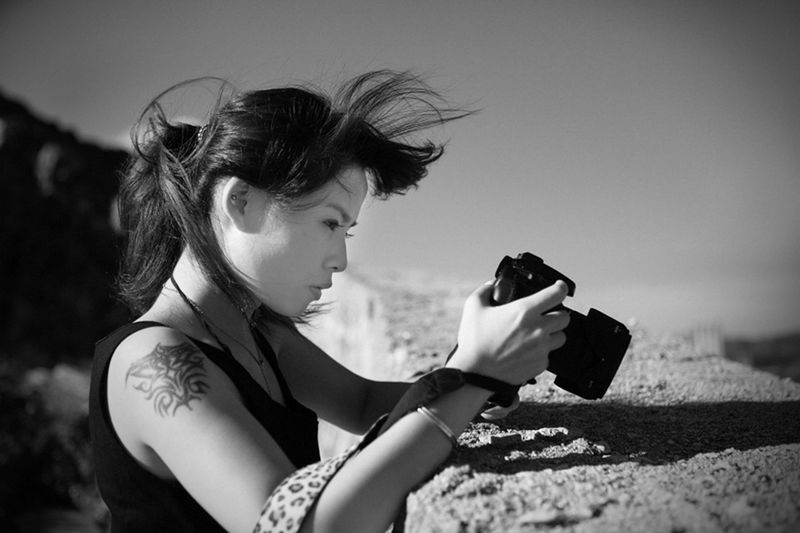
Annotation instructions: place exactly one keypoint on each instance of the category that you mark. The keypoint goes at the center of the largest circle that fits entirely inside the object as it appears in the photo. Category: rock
(539, 516)
(602, 447)
(740, 509)
(579, 512)
(505, 440)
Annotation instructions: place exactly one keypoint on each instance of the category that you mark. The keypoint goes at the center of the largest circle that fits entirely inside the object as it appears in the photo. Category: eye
(333, 225)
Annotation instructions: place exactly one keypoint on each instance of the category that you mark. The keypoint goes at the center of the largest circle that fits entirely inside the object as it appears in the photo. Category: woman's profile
(204, 408)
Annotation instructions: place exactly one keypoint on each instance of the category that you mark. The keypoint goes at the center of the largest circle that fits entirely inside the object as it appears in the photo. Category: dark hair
(287, 141)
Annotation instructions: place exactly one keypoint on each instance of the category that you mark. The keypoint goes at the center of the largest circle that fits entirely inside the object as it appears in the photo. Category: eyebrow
(345, 216)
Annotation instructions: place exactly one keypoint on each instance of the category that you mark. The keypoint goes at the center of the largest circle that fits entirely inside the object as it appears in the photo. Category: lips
(317, 289)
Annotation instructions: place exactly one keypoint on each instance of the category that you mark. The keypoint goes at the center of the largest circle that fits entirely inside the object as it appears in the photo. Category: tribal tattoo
(171, 376)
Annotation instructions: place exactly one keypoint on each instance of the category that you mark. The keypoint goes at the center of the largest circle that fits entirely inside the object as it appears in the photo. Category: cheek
(279, 263)
(249, 254)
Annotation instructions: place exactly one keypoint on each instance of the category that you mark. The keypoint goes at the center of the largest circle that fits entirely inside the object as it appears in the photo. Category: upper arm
(315, 378)
(335, 393)
(167, 397)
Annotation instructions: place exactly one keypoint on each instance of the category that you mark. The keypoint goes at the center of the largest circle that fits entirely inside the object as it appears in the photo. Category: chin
(290, 310)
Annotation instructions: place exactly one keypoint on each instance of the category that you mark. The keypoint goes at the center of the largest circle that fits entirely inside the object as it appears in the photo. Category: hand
(498, 412)
(510, 342)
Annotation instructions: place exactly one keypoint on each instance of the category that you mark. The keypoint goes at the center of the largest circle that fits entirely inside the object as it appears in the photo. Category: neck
(212, 302)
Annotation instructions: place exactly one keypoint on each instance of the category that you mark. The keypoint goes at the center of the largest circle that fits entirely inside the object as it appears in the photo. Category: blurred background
(648, 150)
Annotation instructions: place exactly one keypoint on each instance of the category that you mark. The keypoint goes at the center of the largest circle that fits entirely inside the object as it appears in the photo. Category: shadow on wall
(649, 435)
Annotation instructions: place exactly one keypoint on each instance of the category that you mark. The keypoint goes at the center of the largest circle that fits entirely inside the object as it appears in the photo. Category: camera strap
(504, 393)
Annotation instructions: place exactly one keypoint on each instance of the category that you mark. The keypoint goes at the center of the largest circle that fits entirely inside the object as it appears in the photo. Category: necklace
(205, 320)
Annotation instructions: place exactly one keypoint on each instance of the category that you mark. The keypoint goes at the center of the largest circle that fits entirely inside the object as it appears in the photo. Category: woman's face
(287, 257)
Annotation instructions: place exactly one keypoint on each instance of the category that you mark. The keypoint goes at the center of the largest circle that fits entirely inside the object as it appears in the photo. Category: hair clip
(201, 132)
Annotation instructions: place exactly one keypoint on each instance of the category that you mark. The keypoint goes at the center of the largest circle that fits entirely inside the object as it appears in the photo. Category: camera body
(596, 343)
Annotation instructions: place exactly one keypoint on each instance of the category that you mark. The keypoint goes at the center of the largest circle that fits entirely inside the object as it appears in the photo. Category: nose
(337, 259)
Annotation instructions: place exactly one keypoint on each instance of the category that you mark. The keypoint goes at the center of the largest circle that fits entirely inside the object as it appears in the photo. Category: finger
(555, 321)
(546, 298)
(557, 340)
(502, 290)
(483, 294)
(497, 412)
(559, 311)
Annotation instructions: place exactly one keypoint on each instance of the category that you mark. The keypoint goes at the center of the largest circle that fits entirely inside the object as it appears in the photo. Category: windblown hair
(288, 141)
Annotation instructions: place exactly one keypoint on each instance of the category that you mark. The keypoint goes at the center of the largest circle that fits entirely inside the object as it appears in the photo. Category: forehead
(349, 189)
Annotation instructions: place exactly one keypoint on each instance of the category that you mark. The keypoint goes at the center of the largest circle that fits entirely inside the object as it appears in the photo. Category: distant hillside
(777, 355)
(60, 250)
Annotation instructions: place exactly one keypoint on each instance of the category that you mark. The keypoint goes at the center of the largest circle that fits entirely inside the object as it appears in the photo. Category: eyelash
(333, 226)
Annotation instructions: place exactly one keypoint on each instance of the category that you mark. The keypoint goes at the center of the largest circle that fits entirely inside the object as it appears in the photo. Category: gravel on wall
(682, 441)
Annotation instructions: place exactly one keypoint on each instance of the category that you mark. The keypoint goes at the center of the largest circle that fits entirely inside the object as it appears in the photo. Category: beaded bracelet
(439, 423)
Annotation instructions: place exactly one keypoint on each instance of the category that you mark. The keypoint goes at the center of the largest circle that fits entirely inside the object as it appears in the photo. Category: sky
(648, 150)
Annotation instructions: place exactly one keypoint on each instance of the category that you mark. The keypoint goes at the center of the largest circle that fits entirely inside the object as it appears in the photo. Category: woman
(234, 228)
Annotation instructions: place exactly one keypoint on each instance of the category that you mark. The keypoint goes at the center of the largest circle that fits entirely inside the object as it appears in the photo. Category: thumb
(482, 295)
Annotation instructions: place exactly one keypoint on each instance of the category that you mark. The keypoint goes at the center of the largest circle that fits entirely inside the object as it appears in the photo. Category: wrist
(500, 392)
(478, 376)
(463, 361)
(442, 385)
(460, 406)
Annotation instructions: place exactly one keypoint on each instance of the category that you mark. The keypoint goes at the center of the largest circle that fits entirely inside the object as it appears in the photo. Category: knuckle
(520, 319)
(537, 334)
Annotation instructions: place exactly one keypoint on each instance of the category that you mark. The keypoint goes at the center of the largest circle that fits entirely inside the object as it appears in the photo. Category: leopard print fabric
(288, 505)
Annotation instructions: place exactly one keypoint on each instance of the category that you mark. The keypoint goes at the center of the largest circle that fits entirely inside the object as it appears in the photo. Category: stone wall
(684, 440)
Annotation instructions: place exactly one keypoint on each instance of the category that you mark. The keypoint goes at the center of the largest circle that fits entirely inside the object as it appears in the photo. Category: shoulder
(174, 409)
(160, 371)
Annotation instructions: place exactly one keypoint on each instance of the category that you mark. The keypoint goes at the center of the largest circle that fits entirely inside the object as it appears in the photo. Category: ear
(239, 204)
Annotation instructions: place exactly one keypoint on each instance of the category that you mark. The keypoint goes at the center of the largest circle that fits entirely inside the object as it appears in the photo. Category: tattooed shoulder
(170, 376)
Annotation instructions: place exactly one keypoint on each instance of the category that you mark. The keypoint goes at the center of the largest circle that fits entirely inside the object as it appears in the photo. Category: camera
(596, 343)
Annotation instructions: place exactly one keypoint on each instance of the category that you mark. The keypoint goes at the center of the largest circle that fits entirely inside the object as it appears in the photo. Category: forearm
(380, 398)
(367, 492)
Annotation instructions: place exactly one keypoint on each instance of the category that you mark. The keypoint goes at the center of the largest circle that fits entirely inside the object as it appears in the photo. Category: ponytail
(154, 204)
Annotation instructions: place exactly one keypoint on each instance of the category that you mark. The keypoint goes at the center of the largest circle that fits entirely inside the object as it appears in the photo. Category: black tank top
(140, 501)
